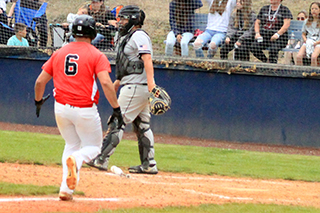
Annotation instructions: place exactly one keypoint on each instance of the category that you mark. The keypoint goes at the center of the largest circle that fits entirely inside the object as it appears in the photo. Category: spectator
(271, 28)
(39, 31)
(181, 18)
(240, 32)
(4, 18)
(218, 20)
(290, 57)
(3, 5)
(19, 38)
(83, 10)
(311, 36)
(106, 22)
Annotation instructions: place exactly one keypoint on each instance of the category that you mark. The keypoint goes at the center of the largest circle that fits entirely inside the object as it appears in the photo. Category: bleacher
(295, 27)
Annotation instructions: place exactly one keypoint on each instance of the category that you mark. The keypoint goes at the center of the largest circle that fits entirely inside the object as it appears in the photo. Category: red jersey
(74, 69)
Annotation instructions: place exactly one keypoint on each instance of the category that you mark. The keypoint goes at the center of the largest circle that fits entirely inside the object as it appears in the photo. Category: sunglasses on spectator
(300, 18)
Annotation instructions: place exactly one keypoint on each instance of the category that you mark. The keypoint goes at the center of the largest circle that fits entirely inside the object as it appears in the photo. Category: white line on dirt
(55, 199)
(136, 176)
(219, 196)
(237, 198)
(221, 179)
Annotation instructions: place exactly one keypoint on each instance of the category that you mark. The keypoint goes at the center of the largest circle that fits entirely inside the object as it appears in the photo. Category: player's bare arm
(40, 85)
(108, 88)
(116, 85)
(148, 65)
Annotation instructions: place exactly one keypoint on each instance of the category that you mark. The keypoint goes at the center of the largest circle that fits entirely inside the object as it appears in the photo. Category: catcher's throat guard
(159, 100)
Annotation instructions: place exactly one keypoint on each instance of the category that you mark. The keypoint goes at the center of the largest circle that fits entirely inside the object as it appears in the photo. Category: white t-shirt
(70, 19)
(3, 4)
(219, 22)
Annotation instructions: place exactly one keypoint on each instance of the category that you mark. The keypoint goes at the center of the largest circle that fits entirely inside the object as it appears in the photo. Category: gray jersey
(139, 43)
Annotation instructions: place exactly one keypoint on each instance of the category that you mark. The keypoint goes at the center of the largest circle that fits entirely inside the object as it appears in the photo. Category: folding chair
(58, 35)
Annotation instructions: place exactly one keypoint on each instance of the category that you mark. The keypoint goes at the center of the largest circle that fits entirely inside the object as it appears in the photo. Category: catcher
(134, 72)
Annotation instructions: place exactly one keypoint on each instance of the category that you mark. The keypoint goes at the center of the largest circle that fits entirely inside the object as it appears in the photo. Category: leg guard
(110, 142)
(145, 142)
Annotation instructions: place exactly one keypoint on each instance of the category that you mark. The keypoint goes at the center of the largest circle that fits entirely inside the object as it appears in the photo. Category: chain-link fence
(211, 29)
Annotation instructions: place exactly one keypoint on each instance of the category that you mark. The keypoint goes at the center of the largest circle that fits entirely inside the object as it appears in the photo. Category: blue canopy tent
(5, 33)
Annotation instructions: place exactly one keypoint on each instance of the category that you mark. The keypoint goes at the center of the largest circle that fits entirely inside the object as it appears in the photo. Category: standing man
(74, 69)
(134, 71)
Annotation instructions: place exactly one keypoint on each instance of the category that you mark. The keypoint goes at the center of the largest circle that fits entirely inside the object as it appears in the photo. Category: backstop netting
(174, 27)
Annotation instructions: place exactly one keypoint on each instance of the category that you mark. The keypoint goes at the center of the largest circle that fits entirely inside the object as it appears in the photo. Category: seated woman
(240, 32)
(271, 28)
(311, 36)
(106, 23)
(218, 21)
(181, 15)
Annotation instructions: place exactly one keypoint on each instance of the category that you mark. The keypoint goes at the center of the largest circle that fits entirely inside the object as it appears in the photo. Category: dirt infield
(104, 190)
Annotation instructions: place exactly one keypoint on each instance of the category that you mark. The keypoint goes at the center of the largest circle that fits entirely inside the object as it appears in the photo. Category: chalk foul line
(27, 199)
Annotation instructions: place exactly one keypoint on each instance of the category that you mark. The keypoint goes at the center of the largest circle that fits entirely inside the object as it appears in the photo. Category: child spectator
(310, 36)
(18, 39)
(271, 28)
(218, 21)
(290, 57)
(240, 32)
(181, 18)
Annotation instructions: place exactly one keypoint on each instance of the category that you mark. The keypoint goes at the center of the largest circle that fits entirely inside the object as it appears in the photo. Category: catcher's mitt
(159, 100)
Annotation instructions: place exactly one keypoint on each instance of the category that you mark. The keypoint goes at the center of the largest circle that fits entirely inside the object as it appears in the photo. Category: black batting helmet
(135, 16)
(84, 26)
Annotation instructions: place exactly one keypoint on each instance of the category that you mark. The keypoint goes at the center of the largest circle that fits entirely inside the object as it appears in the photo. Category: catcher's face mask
(125, 24)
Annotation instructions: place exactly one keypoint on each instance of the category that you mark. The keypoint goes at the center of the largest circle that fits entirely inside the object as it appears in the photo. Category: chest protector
(124, 66)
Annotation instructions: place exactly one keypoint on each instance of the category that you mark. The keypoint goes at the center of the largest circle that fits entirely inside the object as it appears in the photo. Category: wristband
(257, 33)
(277, 34)
(37, 102)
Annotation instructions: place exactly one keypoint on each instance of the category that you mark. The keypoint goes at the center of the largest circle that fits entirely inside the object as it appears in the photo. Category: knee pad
(111, 140)
(197, 44)
(140, 127)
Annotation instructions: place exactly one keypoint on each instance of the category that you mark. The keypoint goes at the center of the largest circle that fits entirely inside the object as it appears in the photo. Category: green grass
(27, 190)
(225, 208)
(32, 148)
(43, 149)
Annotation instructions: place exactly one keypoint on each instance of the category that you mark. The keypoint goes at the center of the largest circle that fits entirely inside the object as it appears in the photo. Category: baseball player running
(134, 72)
(74, 69)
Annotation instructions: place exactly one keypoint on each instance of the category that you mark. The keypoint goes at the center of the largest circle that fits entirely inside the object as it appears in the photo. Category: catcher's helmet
(84, 26)
(135, 16)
